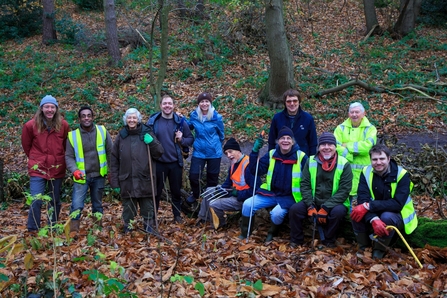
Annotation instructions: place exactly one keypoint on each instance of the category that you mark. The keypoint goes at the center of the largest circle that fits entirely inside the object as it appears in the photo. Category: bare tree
(370, 15)
(281, 63)
(49, 27)
(111, 32)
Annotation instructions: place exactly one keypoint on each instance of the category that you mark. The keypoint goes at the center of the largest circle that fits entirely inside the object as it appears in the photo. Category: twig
(370, 32)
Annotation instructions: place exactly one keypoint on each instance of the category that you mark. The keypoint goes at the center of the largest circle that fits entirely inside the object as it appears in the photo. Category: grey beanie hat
(48, 99)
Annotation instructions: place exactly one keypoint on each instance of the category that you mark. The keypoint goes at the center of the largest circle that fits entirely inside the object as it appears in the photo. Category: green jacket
(359, 141)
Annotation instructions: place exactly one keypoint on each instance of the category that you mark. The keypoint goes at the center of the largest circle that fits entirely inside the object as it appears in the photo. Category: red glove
(322, 215)
(78, 175)
(380, 228)
(358, 212)
(311, 211)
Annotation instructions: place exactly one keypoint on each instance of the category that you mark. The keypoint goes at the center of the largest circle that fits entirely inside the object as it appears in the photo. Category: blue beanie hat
(285, 131)
(48, 99)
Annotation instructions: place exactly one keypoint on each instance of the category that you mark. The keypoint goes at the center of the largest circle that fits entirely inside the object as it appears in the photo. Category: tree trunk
(281, 63)
(2, 187)
(49, 27)
(163, 51)
(370, 16)
(409, 10)
(111, 32)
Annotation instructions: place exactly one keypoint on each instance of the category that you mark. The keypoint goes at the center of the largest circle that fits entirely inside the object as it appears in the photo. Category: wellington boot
(74, 225)
(273, 231)
(363, 241)
(244, 227)
(379, 250)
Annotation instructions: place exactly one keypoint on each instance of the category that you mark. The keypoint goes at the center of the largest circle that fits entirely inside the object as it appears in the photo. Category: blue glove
(258, 145)
(148, 138)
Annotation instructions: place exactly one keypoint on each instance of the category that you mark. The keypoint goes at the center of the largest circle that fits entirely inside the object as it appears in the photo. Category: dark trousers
(298, 213)
(389, 218)
(196, 172)
(174, 173)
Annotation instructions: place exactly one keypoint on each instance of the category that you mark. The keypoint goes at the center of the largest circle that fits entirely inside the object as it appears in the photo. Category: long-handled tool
(261, 135)
(152, 186)
(374, 238)
(314, 218)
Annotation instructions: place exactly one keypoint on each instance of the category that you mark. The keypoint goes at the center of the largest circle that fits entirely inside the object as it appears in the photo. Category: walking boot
(74, 225)
(244, 227)
(363, 240)
(379, 250)
(273, 231)
(149, 226)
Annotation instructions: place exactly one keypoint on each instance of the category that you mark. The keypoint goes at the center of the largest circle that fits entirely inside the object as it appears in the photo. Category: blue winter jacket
(303, 127)
(209, 135)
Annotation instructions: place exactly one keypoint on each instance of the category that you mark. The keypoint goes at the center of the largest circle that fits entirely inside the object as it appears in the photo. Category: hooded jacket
(303, 127)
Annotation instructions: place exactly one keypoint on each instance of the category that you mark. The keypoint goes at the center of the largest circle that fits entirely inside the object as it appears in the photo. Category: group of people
(304, 177)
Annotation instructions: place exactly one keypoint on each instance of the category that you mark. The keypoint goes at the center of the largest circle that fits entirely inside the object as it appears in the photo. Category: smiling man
(355, 136)
(325, 187)
(283, 166)
(300, 122)
(87, 152)
(383, 200)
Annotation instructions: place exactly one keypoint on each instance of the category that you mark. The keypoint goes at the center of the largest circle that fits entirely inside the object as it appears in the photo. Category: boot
(149, 226)
(379, 250)
(74, 225)
(244, 226)
(363, 240)
(273, 231)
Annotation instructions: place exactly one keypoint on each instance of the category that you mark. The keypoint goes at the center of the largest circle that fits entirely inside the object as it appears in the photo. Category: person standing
(383, 200)
(174, 134)
(209, 136)
(130, 170)
(281, 189)
(300, 122)
(87, 151)
(43, 140)
(325, 187)
(355, 137)
(238, 186)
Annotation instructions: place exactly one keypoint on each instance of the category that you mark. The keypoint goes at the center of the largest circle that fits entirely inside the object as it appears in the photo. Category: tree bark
(163, 51)
(281, 63)
(406, 21)
(111, 32)
(49, 28)
(370, 16)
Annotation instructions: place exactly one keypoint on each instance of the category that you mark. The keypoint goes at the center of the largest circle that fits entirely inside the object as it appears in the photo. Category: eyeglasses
(292, 101)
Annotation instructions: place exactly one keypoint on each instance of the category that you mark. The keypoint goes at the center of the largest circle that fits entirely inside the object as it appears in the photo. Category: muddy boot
(363, 241)
(379, 250)
(244, 226)
(273, 231)
(74, 225)
(149, 226)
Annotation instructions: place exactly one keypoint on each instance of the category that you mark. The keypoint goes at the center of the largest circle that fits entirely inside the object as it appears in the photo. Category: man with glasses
(87, 151)
(300, 122)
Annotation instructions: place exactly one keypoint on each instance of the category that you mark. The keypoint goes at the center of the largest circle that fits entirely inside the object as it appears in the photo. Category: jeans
(277, 214)
(389, 218)
(96, 186)
(174, 173)
(38, 185)
(196, 172)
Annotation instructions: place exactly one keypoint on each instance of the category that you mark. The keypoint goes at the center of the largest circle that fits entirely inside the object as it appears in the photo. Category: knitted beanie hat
(285, 131)
(48, 99)
(327, 138)
(203, 96)
(232, 144)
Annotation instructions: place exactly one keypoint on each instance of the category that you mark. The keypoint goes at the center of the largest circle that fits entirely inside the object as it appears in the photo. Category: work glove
(359, 212)
(148, 138)
(322, 215)
(234, 192)
(117, 190)
(380, 228)
(311, 211)
(78, 175)
(258, 145)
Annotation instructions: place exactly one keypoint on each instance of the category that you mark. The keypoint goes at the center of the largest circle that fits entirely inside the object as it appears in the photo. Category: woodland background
(221, 47)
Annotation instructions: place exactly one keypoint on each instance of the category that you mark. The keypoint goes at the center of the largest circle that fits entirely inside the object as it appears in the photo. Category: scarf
(328, 165)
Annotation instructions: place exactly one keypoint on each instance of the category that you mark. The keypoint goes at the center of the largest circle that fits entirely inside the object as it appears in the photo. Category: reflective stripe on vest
(75, 139)
(341, 162)
(238, 176)
(408, 213)
(296, 175)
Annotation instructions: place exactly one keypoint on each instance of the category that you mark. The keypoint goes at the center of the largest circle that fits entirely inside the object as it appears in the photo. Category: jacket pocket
(123, 177)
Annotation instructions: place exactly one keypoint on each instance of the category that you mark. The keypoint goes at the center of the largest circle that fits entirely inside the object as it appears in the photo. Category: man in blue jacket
(300, 122)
